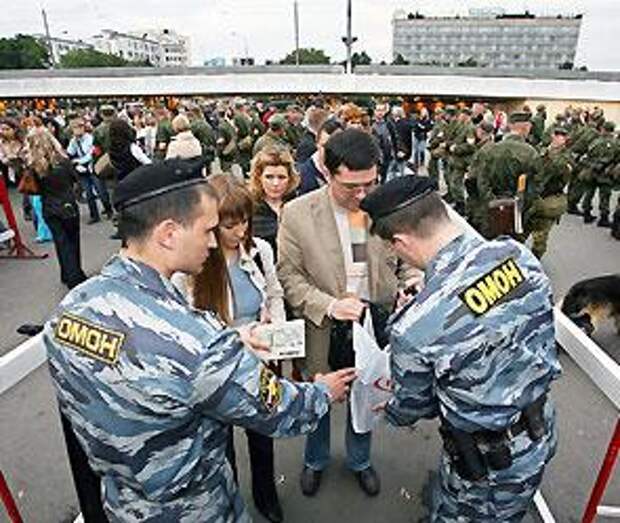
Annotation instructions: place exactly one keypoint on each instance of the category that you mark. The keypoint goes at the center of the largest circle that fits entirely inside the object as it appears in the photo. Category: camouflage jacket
(151, 384)
(556, 171)
(477, 344)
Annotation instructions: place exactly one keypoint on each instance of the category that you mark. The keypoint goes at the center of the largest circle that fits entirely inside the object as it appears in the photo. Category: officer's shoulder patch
(270, 389)
(97, 342)
(488, 290)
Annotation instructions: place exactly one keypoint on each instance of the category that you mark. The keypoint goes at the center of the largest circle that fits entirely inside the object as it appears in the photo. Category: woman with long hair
(56, 176)
(125, 153)
(273, 181)
(239, 283)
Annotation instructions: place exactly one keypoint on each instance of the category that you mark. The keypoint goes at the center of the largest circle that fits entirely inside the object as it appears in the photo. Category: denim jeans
(418, 153)
(317, 452)
(91, 183)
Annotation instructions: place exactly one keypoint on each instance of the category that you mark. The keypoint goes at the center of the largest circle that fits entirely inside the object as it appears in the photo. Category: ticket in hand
(286, 340)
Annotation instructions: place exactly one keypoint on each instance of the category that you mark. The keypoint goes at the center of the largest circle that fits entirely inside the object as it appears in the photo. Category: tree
(399, 59)
(23, 52)
(307, 55)
(91, 58)
(360, 59)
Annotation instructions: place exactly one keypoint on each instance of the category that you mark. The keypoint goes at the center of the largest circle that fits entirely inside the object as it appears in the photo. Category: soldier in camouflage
(551, 205)
(476, 348)
(462, 148)
(600, 160)
(151, 384)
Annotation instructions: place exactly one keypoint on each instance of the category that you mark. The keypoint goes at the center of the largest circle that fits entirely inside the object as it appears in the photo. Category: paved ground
(34, 461)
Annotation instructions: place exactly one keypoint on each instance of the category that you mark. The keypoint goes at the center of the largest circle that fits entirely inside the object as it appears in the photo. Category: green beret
(560, 130)
(609, 126)
(451, 109)
(518, 117)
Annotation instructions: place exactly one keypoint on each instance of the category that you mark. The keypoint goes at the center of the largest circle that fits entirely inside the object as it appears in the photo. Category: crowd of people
(232, 213)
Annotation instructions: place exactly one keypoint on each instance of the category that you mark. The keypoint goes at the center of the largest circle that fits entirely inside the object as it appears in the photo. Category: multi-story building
(500, 41)
(61, 46)
(128, 46)
(174, 48)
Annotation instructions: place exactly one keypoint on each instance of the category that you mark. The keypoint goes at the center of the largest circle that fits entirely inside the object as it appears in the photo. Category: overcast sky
(224, 27)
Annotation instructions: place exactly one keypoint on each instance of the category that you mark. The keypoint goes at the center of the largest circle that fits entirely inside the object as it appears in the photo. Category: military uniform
(497, 170)
(206, 136)
(270, 139)
(538, 125)
(600, 159)
(436, 149)
(227, 144)
(476, 347)
(245, 139)
(462, 150)
(150, 384)
(475, 206)
(581, 138)
(163, 136)
(548, 209)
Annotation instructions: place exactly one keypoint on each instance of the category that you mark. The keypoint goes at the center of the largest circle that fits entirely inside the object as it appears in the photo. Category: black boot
(615, 225)
(587, 217)
(603, 221)
(572, 209)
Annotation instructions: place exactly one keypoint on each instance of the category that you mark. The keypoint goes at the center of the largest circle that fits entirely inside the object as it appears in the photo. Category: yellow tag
(521, 183)
(96, 342)
(488, 290)
(270, 389)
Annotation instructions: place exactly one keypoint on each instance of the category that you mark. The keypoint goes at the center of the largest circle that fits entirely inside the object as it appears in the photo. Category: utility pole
(296, 18)
(349, 40)
(49, 39)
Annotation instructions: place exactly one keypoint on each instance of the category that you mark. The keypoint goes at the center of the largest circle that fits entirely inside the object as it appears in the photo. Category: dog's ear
(573, 301)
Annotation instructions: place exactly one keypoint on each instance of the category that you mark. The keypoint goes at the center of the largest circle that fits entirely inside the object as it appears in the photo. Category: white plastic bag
(372, 385)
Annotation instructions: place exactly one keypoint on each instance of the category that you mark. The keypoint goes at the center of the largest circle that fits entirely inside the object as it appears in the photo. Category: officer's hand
(338, 382)
(379, 407)
(246, 333)
(347, 309)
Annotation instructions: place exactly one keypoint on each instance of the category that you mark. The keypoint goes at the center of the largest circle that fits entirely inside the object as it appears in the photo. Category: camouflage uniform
(580, 141)
(163, 136)
(436, 146)
(538, 126)
(478, 369)
(600, 158)
(498, 168)
(270, 139)
(245, 139)
(547, 211)
(462, 151)
(206, 136)
(227, 144)
(150, 385)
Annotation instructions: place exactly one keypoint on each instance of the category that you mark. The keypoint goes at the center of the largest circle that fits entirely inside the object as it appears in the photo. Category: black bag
(341, 354)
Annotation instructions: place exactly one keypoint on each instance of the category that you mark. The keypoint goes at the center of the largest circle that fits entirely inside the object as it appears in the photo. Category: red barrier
(603, 476)
(9, 502)
(18, 250)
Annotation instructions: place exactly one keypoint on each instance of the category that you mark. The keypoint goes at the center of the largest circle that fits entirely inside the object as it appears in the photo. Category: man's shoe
(603, 221)
(369, 481)
(93, 220)
(310, 481)
(271, 511)
(109, 214)
(572, 209)
(29, 329)
(587, 217)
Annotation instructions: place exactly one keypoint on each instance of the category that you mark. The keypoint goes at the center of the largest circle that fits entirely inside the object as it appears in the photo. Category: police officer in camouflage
(476, 348)
(151, 384)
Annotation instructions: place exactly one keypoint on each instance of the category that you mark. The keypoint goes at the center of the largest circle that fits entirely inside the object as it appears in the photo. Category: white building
(174, 48)
(61, 46)
(128, 46)
(500, 41)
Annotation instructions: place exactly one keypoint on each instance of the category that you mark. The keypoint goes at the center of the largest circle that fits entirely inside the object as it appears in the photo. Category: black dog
(589, 302)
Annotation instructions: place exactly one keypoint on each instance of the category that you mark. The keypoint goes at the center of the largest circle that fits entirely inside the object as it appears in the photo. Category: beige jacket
(312, 272)
(184, 145)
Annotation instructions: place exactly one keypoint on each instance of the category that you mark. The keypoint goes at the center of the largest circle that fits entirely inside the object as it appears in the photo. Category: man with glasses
(329, 267)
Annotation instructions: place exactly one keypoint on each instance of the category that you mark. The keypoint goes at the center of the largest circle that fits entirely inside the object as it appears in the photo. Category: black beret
(150, 181)
(396, 194)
